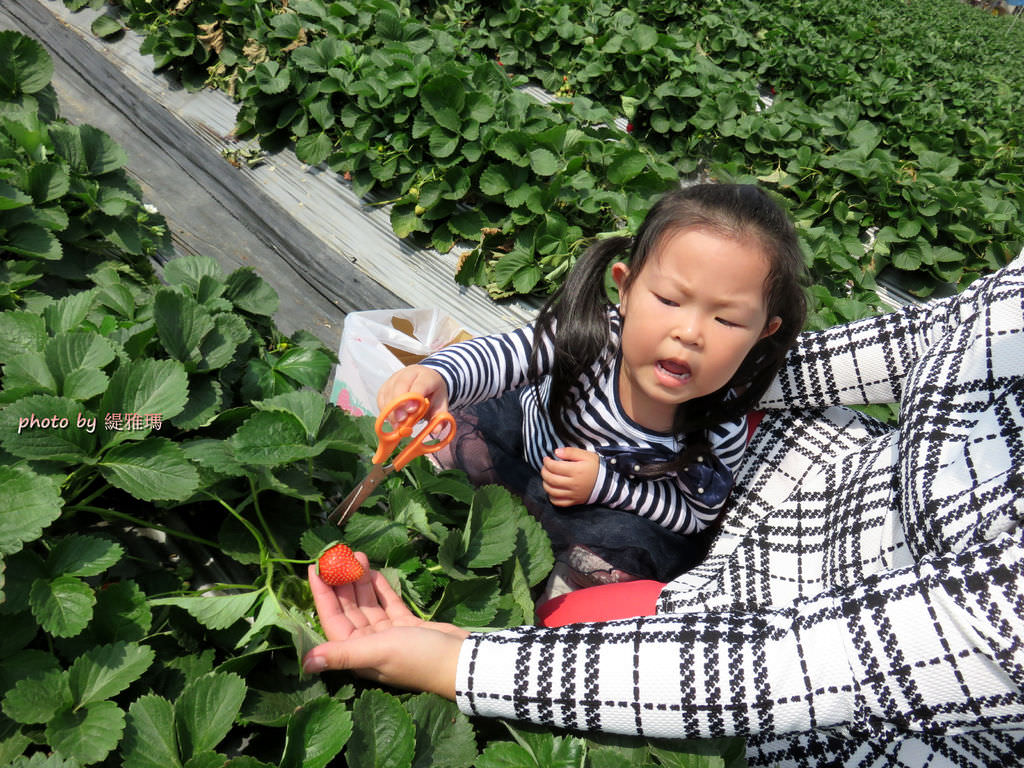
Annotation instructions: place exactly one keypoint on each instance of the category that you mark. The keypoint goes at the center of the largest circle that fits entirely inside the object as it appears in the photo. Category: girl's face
(689, 319)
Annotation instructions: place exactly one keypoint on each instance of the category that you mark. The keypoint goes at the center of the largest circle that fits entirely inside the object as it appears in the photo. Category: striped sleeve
(485, 367)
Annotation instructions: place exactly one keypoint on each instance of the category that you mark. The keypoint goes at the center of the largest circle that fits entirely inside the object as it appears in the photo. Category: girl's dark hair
(575, 316)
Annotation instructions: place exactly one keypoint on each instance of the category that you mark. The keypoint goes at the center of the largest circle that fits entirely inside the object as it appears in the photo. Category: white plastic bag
(376, 343)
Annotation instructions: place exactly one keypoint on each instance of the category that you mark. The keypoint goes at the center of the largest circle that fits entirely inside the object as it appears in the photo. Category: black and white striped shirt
(488, 366)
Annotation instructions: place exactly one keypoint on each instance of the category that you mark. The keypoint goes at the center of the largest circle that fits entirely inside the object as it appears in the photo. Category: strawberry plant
(167, 460)
(890, 153)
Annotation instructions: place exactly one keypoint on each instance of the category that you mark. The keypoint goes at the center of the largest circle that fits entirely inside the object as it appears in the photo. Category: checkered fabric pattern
(863, 603)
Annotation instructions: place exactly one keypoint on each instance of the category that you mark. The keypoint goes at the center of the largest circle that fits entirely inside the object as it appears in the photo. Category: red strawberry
(338, 565)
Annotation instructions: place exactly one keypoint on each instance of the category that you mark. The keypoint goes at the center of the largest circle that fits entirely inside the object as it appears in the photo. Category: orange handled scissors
(387, 440)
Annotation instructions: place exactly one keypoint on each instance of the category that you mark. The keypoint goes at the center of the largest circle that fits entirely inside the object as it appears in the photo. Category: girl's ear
(619, 273)
(771, 326)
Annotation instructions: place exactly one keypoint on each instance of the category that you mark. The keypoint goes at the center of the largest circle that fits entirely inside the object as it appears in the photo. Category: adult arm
(926, 647)
(866, 361)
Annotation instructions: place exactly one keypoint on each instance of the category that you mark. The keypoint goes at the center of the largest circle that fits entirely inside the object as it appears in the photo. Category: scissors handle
(423, 443)
(389, 438)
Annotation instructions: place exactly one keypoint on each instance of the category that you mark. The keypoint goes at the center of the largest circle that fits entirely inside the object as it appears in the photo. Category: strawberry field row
(887, 149)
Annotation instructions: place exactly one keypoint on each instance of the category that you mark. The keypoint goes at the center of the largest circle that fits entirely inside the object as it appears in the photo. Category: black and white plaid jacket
(864, 602)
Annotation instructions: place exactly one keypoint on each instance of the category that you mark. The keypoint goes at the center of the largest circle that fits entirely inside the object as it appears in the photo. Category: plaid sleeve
(929, 646)
(868, 361)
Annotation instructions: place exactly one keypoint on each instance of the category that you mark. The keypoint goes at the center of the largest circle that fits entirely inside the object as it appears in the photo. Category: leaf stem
(263, 522)
(145, 524)
(248, 526)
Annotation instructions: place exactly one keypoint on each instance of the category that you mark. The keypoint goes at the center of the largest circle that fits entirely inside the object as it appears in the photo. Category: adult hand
(569, 477)
(372, 632)
(414, 378)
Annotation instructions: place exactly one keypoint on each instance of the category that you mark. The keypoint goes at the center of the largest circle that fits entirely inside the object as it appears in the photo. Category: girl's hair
(575, 317)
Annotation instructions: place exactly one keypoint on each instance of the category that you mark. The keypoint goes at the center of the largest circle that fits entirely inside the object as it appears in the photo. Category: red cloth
(621, 600)
(753, 419)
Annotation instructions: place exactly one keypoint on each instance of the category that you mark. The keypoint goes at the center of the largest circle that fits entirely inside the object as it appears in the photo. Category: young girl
(631, 419)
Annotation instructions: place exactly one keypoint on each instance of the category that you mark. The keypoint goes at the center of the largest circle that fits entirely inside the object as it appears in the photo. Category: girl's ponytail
(575, 319)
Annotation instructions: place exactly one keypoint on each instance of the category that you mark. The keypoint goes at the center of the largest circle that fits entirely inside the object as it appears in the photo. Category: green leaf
(31, 502)
(516, 267)
(88, 150)
(87, 734)
(309, 367)
(25, 67)
(105, 26)
(37, 698)
(272, 438)
(46, 427)
(206, 710)
(28, 371)
(81, 555)
(544, 162)
(206, 400)
(626, 165)
(442, 143)
(33, 240)
(181, 323)
(404, 221)
(644, 36)
(69, 312)
(469, 603)
(505, 754)
(251, 293)
(103, 672)
(316, 733)
(190, 270)
(63, 606)
(908, 228)
(214, 611)
(443, 97)
(20, 332)
(314, 148)
(11, 197)
(548, 750)
(147, 387)
(444, 736)
(84, 383)
(121, 613)
(533, 549)
(383, 734)
(494, 181)
(149, 738)
(68, 352)
(220, 344)
(305, 405)
(154, 468)
(48, 181)
(375, 535)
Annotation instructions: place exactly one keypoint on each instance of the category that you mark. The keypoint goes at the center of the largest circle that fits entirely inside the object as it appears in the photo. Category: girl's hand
(372, 632)
(415, 378)
(569, 477)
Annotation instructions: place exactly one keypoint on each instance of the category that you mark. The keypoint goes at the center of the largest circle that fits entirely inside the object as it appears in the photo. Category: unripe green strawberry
(338, 565)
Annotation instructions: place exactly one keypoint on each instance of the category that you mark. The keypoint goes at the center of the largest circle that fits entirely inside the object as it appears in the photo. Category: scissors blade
(358, 495)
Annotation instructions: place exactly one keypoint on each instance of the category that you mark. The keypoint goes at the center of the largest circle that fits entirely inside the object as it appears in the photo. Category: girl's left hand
(372, 632)
(569, 477)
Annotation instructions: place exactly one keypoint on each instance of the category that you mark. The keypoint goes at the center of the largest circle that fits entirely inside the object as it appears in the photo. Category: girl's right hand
(419, 379)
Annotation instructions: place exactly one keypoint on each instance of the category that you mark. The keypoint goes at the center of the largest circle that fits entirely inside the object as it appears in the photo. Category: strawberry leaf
(382, 733)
